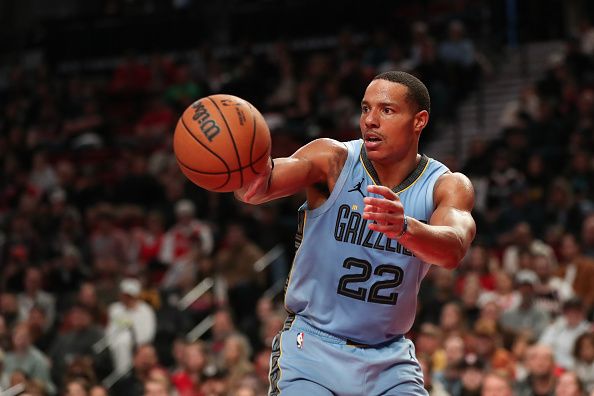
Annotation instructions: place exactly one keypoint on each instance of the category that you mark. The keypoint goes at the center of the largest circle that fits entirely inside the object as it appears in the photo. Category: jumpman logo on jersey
(357, 187)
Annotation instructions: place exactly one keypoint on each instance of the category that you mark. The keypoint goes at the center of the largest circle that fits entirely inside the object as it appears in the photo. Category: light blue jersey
(352, 282)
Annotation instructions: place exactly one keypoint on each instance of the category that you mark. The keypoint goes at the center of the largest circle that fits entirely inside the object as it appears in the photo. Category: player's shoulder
(328, 144)
(455, 184)
(324, 149)
(451, 179)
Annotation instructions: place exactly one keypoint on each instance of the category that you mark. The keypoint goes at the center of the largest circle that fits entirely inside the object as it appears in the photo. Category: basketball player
(377, 215)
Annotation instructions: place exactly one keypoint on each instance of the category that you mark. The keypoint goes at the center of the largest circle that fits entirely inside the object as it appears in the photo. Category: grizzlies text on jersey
(350, 281)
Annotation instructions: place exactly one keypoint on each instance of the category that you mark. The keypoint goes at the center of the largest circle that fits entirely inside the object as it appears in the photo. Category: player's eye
(364, 109)
(388, 110)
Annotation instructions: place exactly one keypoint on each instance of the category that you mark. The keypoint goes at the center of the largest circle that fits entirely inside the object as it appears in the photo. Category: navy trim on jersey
(415, 174)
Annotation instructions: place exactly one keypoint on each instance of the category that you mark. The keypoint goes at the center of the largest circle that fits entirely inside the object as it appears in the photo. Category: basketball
(221, 142)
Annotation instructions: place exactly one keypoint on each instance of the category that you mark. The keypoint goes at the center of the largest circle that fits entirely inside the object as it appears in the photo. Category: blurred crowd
(119, 277)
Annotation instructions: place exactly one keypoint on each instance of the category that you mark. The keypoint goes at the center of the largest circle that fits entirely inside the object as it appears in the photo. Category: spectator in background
(77, 387)
(452, 320)
(269, 328)
(136, 185)
(132, 381)
(495, 384)
(488, 347)
(78, 340)
(236, 359)
(434, 388)
(575, 271)
(540, 365)
(458, 53)
(41, 335)
(42, 176)
(449, 377)
(184, 89)
(154, 387)
(560, 206)
(526, 317)
(188, 380)
(28, 359)
(79, 367)
(222, 328)
(569, 384)
(3, 374)
(98, 390)
(439, 291)
(549, 287)
(504, 296)
(470, 298)
(519, 347)
(215, 383)
(262, 365)
(66, 274)
(457, 50)
(87, 297)
(34, 295)
(177, 239)
(156, 121)
(478, 263)
(235, 263)
(472, 376)
(583, 357)
(564, 331)
(502, 177)
(428, 344)
(130, 77)
(9, 309)
(148, 240)
(108, 241)
(131, 322)
(523, 240)
(587, 236)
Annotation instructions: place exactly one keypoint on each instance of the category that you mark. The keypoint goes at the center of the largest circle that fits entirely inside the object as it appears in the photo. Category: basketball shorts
(308, 361)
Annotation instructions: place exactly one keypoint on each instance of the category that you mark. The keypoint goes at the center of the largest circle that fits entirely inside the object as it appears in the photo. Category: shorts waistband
(299, 323)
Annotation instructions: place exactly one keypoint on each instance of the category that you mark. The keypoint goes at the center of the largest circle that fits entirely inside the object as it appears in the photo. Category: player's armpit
(451, 229)
(311, 164)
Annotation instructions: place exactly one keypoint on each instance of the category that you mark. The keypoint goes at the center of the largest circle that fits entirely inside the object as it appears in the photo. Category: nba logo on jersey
(300, 340)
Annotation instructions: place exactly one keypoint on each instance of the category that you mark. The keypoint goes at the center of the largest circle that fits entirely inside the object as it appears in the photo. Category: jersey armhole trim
(346, 169)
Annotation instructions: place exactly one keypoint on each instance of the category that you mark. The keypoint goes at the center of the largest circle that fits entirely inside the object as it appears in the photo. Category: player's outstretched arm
(313, 163)
(451, 229)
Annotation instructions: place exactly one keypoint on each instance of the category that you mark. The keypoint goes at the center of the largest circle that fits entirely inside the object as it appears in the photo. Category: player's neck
(393, 173)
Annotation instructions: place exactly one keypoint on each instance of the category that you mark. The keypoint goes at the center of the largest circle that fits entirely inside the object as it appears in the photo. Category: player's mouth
(372, 140)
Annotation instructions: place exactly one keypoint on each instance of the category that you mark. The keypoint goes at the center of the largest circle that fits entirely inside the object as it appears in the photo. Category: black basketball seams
(253, 139)
(222, 173)
(228, 172)
(232, 140)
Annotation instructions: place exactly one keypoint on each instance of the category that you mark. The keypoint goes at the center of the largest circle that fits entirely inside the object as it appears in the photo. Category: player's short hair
(417, 91)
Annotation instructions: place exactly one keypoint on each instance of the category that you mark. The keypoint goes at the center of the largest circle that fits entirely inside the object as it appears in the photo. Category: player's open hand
(258, 186)
(386, 214)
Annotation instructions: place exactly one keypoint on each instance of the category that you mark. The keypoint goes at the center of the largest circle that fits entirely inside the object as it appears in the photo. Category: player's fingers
(380, 217)
(372, 208)
(385, 204)
(383, 191)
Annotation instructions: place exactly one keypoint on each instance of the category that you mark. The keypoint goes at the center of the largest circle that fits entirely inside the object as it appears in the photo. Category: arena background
(117, 274)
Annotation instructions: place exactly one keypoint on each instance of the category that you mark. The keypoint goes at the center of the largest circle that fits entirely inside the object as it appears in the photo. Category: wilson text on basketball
(208, 126)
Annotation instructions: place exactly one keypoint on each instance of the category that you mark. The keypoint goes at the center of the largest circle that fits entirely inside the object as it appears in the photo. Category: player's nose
(371, 119)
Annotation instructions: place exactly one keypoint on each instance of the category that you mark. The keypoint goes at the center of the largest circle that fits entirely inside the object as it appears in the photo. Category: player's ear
(421, 120)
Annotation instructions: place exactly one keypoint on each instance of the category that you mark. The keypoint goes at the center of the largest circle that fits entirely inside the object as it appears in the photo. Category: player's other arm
(451, 229)
(309, 165)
